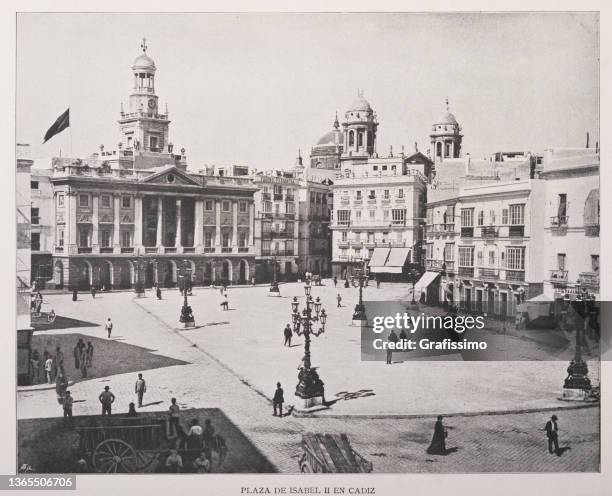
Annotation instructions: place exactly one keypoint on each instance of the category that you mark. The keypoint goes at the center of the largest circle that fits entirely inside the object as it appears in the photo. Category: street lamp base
(188, 325)
(359, 313)
(274, 288)
(310, 386)
(576, 395)
(577, 376)
(307, 403)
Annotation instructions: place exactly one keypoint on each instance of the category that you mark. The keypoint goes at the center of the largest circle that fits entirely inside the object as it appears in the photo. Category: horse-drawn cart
(331, 453)
(138, 444)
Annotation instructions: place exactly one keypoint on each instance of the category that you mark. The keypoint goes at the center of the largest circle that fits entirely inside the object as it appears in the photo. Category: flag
(62, 122)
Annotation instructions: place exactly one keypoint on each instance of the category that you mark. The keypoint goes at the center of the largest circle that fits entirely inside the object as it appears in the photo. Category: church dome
(143, 62)
(360, 104)
(447, 118)
(331, 138)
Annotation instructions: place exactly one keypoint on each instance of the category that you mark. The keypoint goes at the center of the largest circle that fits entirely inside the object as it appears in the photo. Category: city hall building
(135, 214)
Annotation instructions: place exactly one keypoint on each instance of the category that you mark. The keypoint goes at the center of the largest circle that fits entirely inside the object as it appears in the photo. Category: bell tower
(446, 137)
(359, 129)
(143, 128)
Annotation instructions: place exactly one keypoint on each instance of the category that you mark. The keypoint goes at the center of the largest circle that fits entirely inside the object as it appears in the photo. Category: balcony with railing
(106, 249)
(467, 232)
(278, 196)
(488, 273)
(591, 230)
(515, 275)
(489, 232)
(266, 196)
(516, 231)
(243, 249)
(558, 275)
(84, 249)
(343, 244)
(226, 249)
(189, 249)
(449, 266)
(559, 222)
(272, 253)
(589, 279)
(289, 198)
(466, 271)
(127, 249)
(434, 265)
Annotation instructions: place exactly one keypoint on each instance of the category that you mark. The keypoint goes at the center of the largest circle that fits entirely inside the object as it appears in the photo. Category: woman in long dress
(438, 442)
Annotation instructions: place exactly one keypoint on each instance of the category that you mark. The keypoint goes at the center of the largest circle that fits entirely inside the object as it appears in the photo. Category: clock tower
(143, 128)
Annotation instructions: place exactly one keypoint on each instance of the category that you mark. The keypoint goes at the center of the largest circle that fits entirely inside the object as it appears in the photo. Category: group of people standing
(83, 356)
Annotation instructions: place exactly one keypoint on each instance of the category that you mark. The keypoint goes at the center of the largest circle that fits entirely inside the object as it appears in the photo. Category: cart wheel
(144, 459)
(114, 455)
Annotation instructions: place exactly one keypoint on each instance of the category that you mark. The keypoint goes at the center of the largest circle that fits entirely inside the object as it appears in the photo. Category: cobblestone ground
(513, 442)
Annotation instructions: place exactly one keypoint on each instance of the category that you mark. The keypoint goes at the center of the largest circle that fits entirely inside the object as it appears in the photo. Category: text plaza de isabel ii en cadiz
(486, 234)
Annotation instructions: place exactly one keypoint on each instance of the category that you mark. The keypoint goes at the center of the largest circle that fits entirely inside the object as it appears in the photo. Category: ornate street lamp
(186, 317)
(310, 387)
(359, 279)
(274, 285)
(139, 283)
(577, 384)
(413, 275)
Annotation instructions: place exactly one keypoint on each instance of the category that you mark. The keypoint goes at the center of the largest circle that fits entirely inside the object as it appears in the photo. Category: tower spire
(143, 45)
(336, 123)
(446, 100)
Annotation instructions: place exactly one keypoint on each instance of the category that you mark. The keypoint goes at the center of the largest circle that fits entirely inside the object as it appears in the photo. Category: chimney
(587, 145)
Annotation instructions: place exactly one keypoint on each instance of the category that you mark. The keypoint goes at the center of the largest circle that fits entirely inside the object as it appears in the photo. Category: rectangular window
(60, 199)
(209, 205)
(595, 263)
(429, 251)
(83, 200)
(384, 167)
(480, 218)
(515, 258)
(34, 216)
(358, 215)
(126, 201)
(372, 194)
(562, 210)
(385, 214)
(386, 194)
(505, 216)
(35, 242)
(517, 215)
(385, 236)
(60, 237)
(105, 201)
(290, 208)
(400, 193)
(126, 239)
(344, 217)
(561, 261)
(105, 236)
(466, 256)
(491, 258)
(267, 207)
(479, 257)
(492, 217)
(83, 237)
(208, 239)
(372, 214)
(467, 217)
(242, 207)
(358, 195)
(344, 236)
(398, 216)
(449, 252)
(226, 240)
(242, 241)
(226, 206)
(33, 184)
(276, 208)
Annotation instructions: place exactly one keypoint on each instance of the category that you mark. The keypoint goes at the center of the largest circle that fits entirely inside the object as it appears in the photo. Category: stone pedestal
(575, 395)
(188, 325)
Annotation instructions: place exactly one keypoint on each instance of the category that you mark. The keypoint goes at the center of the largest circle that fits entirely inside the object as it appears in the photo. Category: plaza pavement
(234, 366)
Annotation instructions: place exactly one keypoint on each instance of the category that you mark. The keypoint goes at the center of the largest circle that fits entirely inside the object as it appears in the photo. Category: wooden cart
(331, 453)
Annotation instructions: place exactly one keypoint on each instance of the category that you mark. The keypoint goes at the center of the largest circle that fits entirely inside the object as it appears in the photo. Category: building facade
(136, 215)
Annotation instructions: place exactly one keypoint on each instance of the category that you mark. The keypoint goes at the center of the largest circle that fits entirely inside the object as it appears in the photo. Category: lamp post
(186, 317)
(577, 384)
(310, 387)
(358, 280)
(274, 285)
(139, 284)
(413, 274)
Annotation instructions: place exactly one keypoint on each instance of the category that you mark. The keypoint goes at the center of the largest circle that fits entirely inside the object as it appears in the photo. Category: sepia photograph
(296, 243)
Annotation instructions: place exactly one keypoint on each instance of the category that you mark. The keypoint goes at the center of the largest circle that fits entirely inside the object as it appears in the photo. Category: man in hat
(278, 400)
(140, 389)
(106, 398)
(68, 407)
(288, 334)
(552, 435)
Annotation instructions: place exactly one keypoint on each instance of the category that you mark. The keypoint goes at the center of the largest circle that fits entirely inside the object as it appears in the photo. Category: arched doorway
(317, 267)
(106, 275)
(83, 275)
(167, 273)
(58, 274)
(243, 273)
(149, 275)
(226, 271)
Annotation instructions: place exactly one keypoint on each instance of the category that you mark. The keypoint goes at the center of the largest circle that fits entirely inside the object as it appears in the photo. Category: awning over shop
(425, 280)
(397, 257)
(379, 259)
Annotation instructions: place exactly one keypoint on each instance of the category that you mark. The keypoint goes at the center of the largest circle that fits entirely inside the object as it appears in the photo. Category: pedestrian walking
(346, 284)
(158, 293)
(174, 413)
(377, 283)
(438, 441)
(76, 353)
(208, 436)
(335, 281)
(552, 434)
(288, 334)
(83, 361)
(108, 326)
(140, 389)
(49, 369)
(93, 292)
(68, 399)
(391, 339)
(58, 362)
(278, 400)
(75, 294)
(339, 298)
(90, 352)
(225, 303)
(106, 398)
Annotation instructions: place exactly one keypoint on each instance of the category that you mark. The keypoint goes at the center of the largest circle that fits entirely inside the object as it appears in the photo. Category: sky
(252, 89)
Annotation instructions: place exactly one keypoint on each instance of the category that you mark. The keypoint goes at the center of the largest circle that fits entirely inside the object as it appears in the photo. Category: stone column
(116, 223)
(234, 227)
(137, 224)
(251, 224)
(160, 224)
(71, 221)
(95, 247)
(177, 239)
(198, 234)
(218, 226)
